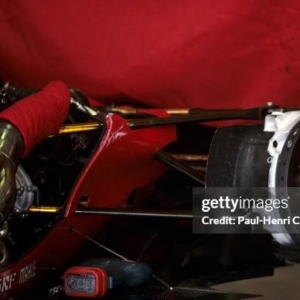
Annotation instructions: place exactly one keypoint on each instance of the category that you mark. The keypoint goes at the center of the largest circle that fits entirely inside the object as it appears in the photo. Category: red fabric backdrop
(229, 53)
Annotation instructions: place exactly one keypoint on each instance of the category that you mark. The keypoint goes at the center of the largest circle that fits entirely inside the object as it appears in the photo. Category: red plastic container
(85, 282)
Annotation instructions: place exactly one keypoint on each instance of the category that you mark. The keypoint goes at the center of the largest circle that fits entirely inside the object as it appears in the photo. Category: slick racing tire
(238, 157)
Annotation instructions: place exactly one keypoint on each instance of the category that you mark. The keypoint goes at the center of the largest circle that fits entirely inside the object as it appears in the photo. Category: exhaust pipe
(24, 125)
(11, 152)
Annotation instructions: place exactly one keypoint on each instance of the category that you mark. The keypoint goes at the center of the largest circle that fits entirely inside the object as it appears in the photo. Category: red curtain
(171, 53)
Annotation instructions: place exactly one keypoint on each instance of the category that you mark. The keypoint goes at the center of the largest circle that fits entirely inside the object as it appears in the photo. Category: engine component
(25, 191)
(11, 151)
(4, 253)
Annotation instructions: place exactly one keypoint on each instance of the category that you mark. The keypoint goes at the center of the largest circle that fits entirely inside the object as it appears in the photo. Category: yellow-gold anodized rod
(72, 128)
(44, 209)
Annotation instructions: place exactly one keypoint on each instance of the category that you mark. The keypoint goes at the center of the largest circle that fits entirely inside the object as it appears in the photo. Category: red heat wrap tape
(40, 114)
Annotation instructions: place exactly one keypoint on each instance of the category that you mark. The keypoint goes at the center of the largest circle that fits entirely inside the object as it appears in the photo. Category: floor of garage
(284, 285)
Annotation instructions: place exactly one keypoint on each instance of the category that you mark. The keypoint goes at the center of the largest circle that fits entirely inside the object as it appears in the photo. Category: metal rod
(190, 157)
(198, 168)
(44, 209)
(127, 111)
(99, 244)
(168, 159)
(178, 111)
(257, 113)
(71, 128)
(135, 213)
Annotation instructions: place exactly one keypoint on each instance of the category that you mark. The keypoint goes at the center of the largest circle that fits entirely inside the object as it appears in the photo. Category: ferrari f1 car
(75, 171)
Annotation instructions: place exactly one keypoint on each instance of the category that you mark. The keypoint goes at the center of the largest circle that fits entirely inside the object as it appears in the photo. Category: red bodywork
(124, 160)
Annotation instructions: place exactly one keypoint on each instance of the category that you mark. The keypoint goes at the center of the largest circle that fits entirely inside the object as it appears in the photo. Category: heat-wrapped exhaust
(24, 125)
